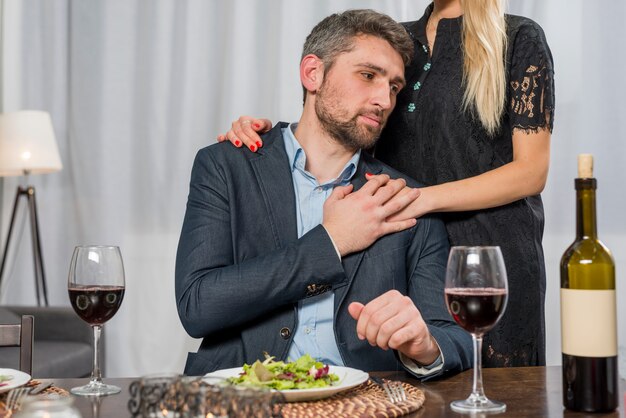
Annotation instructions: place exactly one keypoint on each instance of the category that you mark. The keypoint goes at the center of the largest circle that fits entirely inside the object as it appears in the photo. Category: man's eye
(368, 76)
(394, 89)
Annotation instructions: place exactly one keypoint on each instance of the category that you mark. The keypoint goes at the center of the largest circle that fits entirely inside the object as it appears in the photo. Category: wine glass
(476, 295)
(96, 288)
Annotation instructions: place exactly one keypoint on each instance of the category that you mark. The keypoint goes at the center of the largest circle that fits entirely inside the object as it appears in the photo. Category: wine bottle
(588, 308)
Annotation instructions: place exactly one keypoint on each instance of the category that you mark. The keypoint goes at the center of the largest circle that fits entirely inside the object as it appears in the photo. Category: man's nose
(383, 97)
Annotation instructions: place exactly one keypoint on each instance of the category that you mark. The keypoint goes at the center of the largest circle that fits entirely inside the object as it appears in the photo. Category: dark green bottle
(588, 308)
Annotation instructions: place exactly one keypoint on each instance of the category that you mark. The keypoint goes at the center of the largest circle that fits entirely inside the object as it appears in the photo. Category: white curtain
(135, 88)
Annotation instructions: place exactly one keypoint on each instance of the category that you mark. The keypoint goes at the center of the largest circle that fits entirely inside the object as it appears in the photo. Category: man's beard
(340, 126)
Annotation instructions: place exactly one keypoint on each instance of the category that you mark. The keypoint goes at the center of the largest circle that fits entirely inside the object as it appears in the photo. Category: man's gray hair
(335, 35)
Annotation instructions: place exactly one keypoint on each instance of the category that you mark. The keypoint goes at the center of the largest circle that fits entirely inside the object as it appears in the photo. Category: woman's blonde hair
(484, 47)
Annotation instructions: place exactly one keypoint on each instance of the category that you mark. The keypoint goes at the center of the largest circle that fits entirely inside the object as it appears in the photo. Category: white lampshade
(27, 144)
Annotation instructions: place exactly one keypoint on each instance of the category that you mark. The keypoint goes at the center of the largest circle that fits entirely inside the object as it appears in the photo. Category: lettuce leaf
(304, 373)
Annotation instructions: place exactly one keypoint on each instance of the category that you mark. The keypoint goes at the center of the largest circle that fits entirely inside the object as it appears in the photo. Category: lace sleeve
(531, 80)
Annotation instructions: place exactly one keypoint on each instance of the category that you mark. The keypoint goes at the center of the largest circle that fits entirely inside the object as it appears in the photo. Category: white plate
(19, 379)
(348, 378)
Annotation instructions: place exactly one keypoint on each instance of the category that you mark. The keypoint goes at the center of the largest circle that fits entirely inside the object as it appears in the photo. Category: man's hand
(355, 220)
(393, 321)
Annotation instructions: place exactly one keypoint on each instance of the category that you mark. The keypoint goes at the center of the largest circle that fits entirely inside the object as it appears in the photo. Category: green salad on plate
(4, 379)
(304, 373)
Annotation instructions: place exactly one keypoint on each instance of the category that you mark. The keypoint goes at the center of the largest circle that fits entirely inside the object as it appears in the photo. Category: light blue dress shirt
(315, 333)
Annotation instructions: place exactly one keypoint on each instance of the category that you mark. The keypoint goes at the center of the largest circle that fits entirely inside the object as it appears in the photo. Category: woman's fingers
(394, 196)
(244, 132)
(373, 184)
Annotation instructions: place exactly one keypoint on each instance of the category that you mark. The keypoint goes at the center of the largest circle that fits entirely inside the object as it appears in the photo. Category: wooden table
(528, 392)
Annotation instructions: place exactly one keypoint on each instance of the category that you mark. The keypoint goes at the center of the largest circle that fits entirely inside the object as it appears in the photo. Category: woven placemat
(52, 390)
(364, 401)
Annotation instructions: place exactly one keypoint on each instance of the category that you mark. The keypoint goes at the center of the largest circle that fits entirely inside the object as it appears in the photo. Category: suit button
(285, 333)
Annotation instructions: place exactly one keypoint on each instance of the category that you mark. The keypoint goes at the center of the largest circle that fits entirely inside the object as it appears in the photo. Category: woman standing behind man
(474, 124)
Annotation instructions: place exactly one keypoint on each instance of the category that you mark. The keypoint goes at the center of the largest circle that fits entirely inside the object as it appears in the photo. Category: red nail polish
(252, 148)
(369, 174)
(256, 125)
(258, 144)
(237, 143)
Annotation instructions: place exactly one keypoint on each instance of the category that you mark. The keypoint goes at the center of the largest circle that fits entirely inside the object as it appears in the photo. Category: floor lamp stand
(40, 276)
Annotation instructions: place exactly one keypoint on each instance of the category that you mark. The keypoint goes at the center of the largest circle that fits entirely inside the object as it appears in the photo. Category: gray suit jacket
(241, 269)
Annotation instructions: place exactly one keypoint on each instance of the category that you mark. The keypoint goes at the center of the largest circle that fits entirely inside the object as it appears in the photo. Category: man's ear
(311, 72)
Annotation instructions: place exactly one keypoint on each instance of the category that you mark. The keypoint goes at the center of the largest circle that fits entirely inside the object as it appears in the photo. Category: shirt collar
(297, 157)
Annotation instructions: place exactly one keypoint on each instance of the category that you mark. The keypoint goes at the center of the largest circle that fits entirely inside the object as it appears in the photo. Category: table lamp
(28, 146)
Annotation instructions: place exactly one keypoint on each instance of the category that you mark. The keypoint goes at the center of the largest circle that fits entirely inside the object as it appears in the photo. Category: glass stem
(478, 393)
(96, 375)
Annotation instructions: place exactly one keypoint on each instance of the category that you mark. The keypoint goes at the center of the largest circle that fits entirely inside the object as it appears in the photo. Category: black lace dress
(431, 139)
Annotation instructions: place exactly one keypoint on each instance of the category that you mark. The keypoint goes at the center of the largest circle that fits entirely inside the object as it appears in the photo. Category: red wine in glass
(96, 304)
(96, 286)
(476, 293)
(476, 310)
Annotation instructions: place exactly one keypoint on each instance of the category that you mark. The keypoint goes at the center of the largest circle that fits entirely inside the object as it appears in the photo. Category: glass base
(478, 404)
(95, 388)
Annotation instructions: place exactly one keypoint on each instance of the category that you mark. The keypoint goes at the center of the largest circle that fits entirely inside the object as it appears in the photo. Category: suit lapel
(351, 262)
(271, 167)
(366, 165)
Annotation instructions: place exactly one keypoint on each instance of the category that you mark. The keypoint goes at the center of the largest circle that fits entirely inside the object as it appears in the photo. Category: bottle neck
(586, 208)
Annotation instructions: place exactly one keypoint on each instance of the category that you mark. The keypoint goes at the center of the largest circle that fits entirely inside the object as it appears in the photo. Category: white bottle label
(588, 323)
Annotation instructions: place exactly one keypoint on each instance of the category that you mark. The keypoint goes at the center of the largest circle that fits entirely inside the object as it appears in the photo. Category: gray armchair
(63, 342)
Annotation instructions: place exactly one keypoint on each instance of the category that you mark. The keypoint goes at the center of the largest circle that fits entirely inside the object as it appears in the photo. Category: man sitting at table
(277, 255)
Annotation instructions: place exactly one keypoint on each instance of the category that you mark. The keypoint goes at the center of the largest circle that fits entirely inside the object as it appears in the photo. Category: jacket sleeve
(427, 259)
(215, 292)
